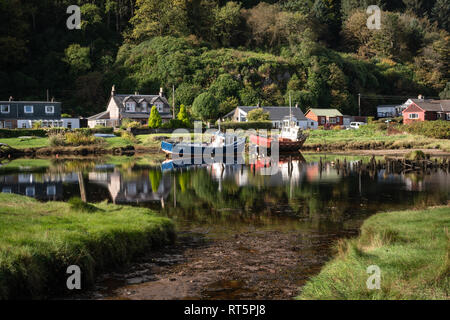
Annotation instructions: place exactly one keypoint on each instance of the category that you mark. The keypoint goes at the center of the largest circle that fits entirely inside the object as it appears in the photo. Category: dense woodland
(221, 54)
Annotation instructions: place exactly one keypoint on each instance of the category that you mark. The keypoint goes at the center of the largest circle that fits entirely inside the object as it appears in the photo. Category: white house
(277, 115)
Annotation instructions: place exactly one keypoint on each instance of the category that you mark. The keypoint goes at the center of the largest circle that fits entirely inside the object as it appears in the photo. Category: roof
(121, 98)
(99, 116)
(278, 113)
(23, 102)
(325, 112)
(389, 106)
(433, 105)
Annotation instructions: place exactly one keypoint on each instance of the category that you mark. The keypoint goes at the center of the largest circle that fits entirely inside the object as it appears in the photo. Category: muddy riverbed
(250, 265)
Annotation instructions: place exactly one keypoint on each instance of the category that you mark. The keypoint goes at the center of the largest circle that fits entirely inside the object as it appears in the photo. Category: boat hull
(285, 145)
(186, 150)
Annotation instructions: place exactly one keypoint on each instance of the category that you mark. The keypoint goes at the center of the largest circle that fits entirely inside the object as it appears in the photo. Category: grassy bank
(38, 241)
(412, 249)
(369, 138)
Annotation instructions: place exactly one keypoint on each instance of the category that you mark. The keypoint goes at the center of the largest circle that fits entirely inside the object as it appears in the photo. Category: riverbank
(369, 138)
(411, 248)
(38, 241)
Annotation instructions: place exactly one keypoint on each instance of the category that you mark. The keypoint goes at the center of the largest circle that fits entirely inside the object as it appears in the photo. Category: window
(30, 191)
(332, 120)
(4, 108)
(24, 125)
(448, 116)
(49, 109)
(28, 109)
(129, 107)
(69, 125)
(322, 120)
(144, 106)
(413, 116)
(8, 124)
(51, 190)
(159, 106)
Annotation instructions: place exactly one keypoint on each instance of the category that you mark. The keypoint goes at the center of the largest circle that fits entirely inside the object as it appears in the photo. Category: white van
(356, 125)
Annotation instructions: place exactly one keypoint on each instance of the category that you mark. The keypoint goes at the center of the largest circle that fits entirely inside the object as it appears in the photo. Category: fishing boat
(291, 138)
(222, 144)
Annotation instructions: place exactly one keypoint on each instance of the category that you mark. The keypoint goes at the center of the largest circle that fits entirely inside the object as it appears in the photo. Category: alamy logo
(374, 20)
(374, 281)
(74, 20)
(74, 281)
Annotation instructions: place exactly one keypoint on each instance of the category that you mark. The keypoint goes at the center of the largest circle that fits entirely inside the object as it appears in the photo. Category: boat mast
(290, 110)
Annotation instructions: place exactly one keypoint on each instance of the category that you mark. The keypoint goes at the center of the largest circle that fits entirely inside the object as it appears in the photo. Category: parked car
(356, 125)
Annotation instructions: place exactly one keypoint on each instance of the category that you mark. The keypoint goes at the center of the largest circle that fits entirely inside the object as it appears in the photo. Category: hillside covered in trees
(225, 53)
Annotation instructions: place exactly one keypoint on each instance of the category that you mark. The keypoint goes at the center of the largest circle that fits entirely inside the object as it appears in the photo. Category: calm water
(300, 200)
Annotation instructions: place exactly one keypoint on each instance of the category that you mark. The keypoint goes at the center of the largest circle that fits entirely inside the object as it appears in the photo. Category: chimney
(258, 105)
(53, 99)
(136, 93)
(11, 98)
(113, 90)
(421, 97)
(161, 92)
(296, 105)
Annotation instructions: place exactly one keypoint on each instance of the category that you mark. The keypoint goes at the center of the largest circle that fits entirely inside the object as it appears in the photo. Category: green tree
(78, 58)
(158, 18)
(205, 107)
(154, 121)
(441, 14)
(226, 106)
(258, 114)
(445, 95)
(183, 116)
(224, 86)
(226, 22)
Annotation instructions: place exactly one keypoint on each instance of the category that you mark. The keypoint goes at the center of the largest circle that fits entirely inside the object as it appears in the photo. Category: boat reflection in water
(297, 187)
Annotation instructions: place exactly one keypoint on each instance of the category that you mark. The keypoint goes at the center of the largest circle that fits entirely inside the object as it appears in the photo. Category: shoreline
(38, 241)
(411, 249)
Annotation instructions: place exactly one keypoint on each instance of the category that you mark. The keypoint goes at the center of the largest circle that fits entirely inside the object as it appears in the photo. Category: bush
(15, 133)
(78, 205)
(80, 139)
(246, 125)
(57, 140)
(175, 124)
(439, 129)
(74, 139)
(129, 137)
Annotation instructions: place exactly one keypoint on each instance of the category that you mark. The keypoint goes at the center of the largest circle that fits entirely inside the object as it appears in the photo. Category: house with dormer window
(135, 107)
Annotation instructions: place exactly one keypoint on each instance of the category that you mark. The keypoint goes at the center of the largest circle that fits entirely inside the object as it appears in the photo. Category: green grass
(38, 241)
(368, 137)
(412, 249)
(19, 143)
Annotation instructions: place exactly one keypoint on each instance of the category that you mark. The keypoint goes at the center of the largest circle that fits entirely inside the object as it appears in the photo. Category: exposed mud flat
(250, 265)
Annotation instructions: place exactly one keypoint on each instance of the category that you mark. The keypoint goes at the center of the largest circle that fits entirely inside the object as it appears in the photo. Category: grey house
(22, 114)
(135, 107)
(276, 114)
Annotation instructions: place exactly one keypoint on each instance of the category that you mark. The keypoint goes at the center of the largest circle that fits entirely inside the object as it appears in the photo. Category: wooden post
(82, 187)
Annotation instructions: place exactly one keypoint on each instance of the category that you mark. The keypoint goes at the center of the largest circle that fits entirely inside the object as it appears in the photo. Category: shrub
(80, 139)
(15, 133)
(129, 137)
(439, 129)
(57, 140)
(154, 121)
(175, 124)
(78, 205)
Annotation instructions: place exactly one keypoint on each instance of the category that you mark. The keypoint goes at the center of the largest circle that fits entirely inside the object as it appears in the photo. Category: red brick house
(326, 117)
(426, 110)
